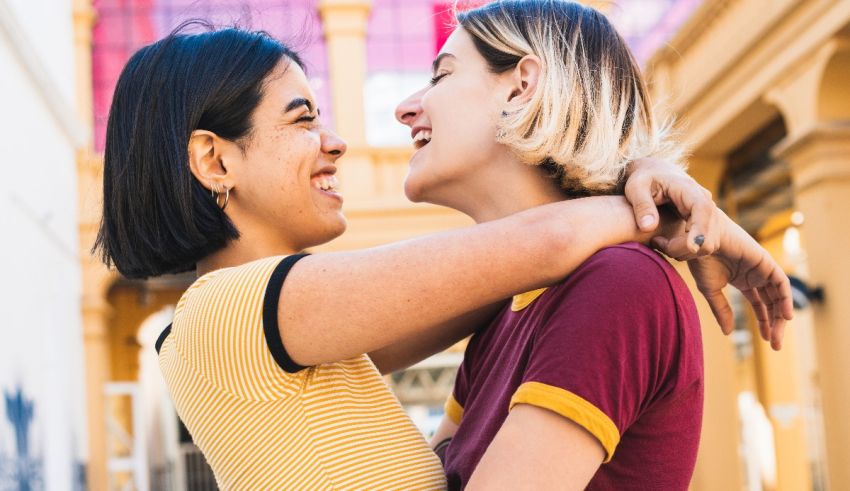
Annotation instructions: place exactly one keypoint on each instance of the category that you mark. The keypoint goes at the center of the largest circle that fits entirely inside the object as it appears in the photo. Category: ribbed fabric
(332, 426)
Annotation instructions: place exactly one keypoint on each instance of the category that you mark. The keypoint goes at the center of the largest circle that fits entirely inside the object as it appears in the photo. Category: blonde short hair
(590, 114)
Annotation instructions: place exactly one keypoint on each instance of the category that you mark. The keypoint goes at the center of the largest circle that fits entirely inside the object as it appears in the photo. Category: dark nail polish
(699, 240)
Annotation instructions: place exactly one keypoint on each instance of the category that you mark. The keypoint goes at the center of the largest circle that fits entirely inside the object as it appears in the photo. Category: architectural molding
(797, 93)
(818, 155)
(703, 19)
(345, 17)
(716, 97)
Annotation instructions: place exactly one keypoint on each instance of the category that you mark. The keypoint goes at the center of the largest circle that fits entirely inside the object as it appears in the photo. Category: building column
(344, 23)
(718, 463)
(816, 106)
(96, 347)
(820, 163)
(780, 376)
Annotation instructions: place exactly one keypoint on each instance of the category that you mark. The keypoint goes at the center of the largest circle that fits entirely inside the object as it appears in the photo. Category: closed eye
(306, 119)
(437, 78)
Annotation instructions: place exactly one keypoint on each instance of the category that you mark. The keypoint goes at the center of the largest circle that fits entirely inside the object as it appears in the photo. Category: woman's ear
(205, 159)
(524, 79)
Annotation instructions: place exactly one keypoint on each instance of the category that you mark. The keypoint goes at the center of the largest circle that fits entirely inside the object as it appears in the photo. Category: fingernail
(646, 221)
(699, 240)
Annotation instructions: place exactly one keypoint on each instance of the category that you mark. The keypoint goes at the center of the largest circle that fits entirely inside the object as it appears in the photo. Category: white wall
(40, 320)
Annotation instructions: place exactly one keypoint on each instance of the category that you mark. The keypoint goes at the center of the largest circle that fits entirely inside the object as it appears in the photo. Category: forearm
(433, 340)
(339, 305)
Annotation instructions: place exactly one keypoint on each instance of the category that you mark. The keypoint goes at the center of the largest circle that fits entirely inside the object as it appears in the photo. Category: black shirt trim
(161, 339)
(270, 314)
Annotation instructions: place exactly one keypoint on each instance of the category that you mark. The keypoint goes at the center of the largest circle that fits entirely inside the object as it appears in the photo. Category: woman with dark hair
(215, 161)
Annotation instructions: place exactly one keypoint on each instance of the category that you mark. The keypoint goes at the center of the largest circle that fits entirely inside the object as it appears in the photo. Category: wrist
(726, 235)
(611, 220)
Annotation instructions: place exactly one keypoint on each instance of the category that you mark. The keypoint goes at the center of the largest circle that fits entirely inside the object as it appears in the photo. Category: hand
(744, 264)
(652, 183)
(738, 259)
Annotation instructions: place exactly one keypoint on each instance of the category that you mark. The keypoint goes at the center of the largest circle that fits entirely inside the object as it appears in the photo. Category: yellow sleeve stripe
(572, 407)
(523, 300)
(454, 410)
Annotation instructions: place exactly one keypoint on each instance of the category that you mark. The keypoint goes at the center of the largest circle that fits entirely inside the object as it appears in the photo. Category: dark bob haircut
(157, 218)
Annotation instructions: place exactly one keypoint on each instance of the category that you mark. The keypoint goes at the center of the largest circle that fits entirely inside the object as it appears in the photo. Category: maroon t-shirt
(616, 348)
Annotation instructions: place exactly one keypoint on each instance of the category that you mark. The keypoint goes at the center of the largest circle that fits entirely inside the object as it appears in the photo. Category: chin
(414, 189)
(337, 228)
(329, 230)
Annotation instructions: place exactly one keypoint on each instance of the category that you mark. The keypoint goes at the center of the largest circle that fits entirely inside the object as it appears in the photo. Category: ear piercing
(216, 192)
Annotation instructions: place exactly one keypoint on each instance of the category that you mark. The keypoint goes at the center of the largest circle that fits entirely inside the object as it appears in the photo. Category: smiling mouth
(326, 182)
(421, 139)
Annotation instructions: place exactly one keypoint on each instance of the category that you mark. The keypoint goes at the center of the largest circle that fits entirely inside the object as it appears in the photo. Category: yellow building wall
(730, 70)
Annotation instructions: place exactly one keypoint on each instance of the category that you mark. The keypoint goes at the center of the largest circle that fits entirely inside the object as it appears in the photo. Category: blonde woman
(216, 162)
(596, 381)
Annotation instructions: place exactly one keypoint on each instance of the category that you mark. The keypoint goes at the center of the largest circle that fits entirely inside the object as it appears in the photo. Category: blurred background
(761, 89)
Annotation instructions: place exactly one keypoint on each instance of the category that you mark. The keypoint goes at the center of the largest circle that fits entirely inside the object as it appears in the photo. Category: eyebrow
(298, 102)
(439, 59)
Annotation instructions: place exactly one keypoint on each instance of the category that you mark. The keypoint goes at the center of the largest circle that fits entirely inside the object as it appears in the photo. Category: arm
(651, 183)
(536, 449)
(339, 305)
(445, 432)
(431, 341)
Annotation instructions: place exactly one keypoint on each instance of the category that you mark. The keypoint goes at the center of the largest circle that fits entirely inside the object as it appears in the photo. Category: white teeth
(325, 183)
(423, 135)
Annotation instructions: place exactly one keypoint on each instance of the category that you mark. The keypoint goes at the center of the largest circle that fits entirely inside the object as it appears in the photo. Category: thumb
(640, 197)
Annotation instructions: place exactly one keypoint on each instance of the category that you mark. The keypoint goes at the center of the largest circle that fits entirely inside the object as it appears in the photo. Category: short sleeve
(226, 328)
(457, 400)
(605, 350)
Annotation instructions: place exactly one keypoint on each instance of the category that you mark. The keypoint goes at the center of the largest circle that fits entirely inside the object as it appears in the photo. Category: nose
(332, 144)
(409, 109)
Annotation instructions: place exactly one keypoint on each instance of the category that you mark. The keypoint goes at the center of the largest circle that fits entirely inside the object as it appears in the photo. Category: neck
(503, 191)
(252, 244)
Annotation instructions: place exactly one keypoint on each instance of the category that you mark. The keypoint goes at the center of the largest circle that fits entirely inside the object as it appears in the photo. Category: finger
(760, 310)
(721, 310)
(767, 294)
(782, 284)
(778, 334)
(639, 193)
(700, 224)
(777, 324)
(677, 248)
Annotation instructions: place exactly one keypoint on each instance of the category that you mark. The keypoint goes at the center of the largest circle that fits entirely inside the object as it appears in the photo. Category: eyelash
(437, 78)
(307, 119)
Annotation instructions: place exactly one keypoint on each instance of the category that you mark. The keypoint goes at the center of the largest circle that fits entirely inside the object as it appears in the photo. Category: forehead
(459, 43)
(286, 82)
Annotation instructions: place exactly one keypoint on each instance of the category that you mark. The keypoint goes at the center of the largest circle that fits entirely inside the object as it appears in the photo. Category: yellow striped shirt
(331, 426)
